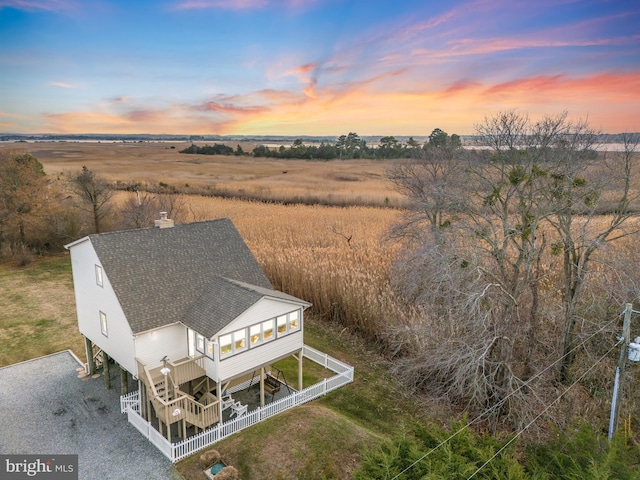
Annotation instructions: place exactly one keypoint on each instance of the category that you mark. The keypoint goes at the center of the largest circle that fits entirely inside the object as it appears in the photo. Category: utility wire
(501, 402)
(543, 411)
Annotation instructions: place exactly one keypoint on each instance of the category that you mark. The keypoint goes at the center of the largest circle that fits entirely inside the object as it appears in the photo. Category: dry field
(334, 182)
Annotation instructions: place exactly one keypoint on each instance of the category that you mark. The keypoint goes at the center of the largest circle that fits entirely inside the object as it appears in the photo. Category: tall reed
(335, 258)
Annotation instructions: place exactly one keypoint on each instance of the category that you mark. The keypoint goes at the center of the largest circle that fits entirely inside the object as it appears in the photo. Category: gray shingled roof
(201, 274)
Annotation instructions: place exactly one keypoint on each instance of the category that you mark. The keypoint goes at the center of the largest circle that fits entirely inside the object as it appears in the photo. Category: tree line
(40, 213)
(349, 146)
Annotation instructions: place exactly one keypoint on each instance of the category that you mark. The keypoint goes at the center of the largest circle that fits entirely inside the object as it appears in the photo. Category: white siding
(255, 357)
(170, 341)
(210, 368)
(91, 299)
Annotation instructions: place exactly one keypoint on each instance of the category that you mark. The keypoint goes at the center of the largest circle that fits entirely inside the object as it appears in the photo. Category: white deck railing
(176, 451)
(130, 400)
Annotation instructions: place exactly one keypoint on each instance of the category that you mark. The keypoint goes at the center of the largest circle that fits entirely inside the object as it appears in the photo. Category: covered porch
(131, 404)
(179, 399)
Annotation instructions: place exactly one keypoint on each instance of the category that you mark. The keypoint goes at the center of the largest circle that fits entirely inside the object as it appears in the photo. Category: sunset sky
(314, 67)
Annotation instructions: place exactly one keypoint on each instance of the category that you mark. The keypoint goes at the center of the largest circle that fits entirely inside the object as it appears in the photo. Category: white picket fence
(130, 404)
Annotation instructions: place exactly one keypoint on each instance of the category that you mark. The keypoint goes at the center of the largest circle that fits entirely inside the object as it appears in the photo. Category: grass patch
(38, 310)
(306, 443)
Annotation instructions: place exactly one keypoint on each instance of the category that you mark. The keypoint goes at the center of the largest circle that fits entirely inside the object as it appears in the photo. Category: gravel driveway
(46, 409)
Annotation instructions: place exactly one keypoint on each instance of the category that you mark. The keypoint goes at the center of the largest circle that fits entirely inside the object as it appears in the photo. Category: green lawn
(37, 310)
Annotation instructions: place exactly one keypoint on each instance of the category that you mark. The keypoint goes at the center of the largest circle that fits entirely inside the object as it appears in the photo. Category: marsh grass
(335, 258)
(150, 165)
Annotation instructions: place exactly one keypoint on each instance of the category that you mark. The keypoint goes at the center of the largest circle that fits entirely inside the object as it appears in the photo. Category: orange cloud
(229, 108)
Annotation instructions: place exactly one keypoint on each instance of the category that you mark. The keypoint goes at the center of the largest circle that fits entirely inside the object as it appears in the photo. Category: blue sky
(315, 67)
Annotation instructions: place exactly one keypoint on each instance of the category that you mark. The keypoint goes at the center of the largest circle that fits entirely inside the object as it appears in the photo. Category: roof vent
(164, 222)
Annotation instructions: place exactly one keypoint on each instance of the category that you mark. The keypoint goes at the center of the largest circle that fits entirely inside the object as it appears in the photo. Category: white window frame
(201, 343)
(282, 320)
(104, 328)
(99, 276)
(210, 349)
(286, 320)
(237, 336)
(273, 330)
(221, 345)
(240, 336)
(259, 340)
(290, 320)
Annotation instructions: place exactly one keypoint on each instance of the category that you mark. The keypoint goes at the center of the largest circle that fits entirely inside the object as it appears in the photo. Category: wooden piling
(105, 370)
(88, 346)
(124, 381)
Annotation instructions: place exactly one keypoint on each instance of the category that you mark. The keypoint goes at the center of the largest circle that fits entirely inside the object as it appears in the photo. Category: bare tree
(139, 210)
(95, 194)
(582, 195)
(515, 204)
(429, 180)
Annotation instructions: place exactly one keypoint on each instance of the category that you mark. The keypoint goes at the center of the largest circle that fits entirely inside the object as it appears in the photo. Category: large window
(258, 334)
(103, 324)
(233, 343)
(99, 280)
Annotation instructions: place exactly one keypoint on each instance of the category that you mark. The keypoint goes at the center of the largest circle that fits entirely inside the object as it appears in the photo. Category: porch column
(300, 370)
(262, 387)
(142, 398)
(106, 371)
(88, 346)
(166, 416)
(124, 381)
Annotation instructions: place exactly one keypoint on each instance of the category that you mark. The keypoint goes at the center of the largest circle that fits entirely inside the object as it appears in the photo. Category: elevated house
(188, 312)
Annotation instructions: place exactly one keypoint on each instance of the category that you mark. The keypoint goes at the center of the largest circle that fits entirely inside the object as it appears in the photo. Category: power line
(543, 411)
(501, 402)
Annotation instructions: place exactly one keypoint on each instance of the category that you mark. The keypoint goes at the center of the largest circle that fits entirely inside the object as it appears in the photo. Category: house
(187, 311)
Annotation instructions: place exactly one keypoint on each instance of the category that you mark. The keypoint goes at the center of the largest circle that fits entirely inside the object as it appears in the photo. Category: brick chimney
(164, 222)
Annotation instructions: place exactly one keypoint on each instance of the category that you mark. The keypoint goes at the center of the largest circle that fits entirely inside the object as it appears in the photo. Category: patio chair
(238, 409)
(227, 402)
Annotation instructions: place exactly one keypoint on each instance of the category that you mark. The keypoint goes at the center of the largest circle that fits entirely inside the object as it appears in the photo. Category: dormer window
(99, 279)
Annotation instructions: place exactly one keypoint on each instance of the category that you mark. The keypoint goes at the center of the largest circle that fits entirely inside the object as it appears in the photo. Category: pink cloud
(459, 87)
(62, 85)
(615, 86)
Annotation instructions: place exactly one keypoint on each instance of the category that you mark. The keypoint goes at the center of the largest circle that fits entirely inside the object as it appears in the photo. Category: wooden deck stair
(172, 404)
